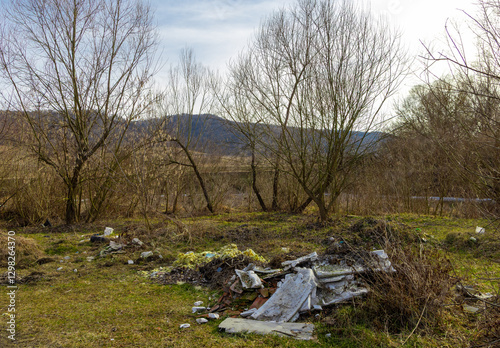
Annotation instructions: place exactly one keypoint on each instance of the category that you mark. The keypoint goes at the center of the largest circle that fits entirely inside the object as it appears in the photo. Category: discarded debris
(480, 230)
(249, 280)
(146, 254)
(184, 326)
(201, 320)
(137, 241)
(191, 259)
(300, 331)
(113, 248)
(470, 309)
(198, 303)
(108, 231)
(130, 262)
(197, 309)
(213, 316)
(294, 263)
(95, 238)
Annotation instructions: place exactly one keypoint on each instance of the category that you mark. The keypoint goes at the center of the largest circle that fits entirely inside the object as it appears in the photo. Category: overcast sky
(218, 29)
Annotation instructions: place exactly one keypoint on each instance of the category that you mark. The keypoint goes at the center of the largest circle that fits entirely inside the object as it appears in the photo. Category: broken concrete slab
(300, 331)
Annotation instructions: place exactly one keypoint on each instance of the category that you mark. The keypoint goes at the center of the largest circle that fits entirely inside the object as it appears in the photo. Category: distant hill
(214, 134)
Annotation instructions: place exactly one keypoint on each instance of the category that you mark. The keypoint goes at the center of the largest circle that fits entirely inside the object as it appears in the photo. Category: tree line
(85, 132)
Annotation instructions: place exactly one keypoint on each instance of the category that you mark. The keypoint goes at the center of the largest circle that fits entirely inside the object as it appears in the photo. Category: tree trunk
(198, 176)
(275, 205)
(254, 183)
(300, 209)
(71, 206)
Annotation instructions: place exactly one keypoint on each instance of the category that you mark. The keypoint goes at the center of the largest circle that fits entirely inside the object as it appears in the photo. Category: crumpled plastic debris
(108, 231)
(192, 259)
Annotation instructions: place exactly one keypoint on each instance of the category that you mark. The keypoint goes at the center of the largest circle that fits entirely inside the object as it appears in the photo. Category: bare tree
(79, 72)
(187, 97)
(313, 76)
(478, 76)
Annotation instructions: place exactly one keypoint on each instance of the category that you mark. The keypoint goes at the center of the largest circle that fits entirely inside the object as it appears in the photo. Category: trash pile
(263, 300)
(306, 284)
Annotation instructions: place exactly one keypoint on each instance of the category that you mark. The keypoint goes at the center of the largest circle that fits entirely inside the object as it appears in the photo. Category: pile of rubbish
(264, 300)
(303, 285)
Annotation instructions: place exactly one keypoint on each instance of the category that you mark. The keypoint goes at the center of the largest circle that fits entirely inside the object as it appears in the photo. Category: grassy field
(108, 303)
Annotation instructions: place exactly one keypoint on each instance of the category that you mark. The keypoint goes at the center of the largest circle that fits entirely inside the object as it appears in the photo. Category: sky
(217, 30)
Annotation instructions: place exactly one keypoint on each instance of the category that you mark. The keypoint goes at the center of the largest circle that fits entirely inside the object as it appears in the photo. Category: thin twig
(419, 319)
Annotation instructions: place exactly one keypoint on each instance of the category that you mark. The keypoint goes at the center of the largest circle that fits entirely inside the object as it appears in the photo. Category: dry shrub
(414, 295)
(27, 250)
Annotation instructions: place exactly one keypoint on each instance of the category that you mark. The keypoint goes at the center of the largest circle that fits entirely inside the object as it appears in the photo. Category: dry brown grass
(27, 250)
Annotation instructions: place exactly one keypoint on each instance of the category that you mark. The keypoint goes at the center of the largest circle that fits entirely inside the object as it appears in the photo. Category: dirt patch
(181, 274)
(33, 277)
(244, 234)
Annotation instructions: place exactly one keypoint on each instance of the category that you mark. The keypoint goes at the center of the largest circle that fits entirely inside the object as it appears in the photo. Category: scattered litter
(184, 326)
(113, 248)
(249, 280)
(472, 239)
(198, 303)
(47, 223)
(201, 320)
(90, 258)
(67, 257)
(213, 316)
(328, 335)
(137, 241)
(197, 309)
(300, 331)
(146, 254)
(130, 262)
(480, 230)
(470, 309)
(84, 240)
(75, 270)
(95, 238)
(60, 269)
(285, 250)
(108, 231)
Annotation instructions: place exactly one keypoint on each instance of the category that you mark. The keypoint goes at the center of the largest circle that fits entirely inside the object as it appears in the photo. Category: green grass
(108, 303)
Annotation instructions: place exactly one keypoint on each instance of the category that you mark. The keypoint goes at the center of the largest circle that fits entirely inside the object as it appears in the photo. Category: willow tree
(78, 72)
(315, 75)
